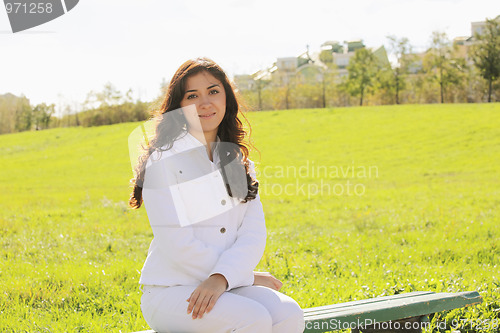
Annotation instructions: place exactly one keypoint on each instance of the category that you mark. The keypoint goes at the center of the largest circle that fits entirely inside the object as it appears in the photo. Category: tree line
(445, 73)
(105, 107)
(441, 75)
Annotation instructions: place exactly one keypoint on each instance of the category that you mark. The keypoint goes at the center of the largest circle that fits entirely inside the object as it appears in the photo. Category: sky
(135, 44)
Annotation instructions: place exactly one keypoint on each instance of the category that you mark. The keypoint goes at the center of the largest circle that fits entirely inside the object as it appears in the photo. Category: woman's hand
(203, 298)
(267, 280)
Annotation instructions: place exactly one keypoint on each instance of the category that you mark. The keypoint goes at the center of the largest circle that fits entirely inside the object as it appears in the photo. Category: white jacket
(199, 230)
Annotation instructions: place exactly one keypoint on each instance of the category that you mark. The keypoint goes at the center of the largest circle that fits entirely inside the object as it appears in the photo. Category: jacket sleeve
(181, 250)
(238, 262)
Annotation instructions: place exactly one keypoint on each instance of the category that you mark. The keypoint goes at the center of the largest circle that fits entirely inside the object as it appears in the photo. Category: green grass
(427, 218)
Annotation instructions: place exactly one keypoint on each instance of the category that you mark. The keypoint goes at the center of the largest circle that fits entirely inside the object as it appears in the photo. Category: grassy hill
(359, 202)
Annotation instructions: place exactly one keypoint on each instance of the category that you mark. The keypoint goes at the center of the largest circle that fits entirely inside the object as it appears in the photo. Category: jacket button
(222, 230)
(223, 202)
(180, 171)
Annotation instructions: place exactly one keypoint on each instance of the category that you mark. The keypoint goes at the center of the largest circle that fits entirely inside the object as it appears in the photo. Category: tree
(442, 65)
(436, 58)
(15, 113)
(259, 92)
(401, 49)
(42, 114)
(261, 81)
(486, 53)
(23, 115)
(109, 95)
(362, 71)
(328, 82)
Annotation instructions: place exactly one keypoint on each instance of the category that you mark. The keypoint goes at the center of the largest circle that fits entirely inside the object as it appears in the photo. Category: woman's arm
(237, 263)
(234, 267)
(182, 255)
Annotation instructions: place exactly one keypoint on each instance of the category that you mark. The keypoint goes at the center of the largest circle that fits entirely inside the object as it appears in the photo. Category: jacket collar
(186, 141)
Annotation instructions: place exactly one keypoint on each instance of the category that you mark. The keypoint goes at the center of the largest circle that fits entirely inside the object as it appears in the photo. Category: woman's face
(204, 102)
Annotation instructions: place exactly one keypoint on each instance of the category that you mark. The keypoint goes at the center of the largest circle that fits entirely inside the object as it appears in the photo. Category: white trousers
(252, 309)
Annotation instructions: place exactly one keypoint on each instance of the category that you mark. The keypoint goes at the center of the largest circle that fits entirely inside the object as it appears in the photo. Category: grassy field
(359, 202)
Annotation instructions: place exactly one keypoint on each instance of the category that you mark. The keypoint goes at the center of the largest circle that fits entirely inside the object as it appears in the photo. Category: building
(307, 67)
(463, 44)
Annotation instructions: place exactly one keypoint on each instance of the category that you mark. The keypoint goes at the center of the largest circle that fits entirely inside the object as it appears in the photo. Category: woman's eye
(214, 91)
(191, 96)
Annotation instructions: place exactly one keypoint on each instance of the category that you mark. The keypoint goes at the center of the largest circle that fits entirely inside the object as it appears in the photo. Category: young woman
(202, 201)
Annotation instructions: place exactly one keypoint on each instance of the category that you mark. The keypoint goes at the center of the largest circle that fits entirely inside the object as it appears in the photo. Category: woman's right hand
(204, 297)
(267, 280)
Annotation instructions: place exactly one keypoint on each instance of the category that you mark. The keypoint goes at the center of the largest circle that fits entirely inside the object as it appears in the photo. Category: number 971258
(29, 8)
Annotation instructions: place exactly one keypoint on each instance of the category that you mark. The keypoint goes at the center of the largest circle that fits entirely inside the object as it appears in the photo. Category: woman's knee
(286, 314)
(250, 316)
(289, 318)
(291, 307)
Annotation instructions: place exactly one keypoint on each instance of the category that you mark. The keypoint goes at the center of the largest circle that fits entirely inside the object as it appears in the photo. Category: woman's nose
(204, 101)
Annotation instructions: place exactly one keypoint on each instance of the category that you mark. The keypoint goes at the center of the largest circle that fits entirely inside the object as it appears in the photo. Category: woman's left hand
(203, 298)
(267, 280)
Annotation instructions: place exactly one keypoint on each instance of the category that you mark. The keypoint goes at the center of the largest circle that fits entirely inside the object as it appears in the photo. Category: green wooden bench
(404, 312)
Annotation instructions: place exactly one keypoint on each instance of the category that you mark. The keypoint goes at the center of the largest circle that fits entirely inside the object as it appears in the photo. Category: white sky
(135, 43)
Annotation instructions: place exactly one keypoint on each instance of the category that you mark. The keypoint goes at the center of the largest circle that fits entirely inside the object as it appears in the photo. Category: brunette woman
(201, 197)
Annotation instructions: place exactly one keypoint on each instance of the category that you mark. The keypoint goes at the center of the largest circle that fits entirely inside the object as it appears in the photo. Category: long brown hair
(169, 128)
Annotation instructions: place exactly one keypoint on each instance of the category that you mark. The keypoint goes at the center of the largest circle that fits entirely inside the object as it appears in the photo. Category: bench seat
(383, 309)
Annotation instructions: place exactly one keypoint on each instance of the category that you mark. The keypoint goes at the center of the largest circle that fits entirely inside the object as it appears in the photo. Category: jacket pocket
(201, 199)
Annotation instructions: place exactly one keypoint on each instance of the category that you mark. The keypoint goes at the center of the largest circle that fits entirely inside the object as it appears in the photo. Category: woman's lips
(206, 116)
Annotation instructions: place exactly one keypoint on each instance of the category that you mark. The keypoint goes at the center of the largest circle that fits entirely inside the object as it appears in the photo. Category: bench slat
(386, 308)
(367, 301)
